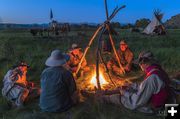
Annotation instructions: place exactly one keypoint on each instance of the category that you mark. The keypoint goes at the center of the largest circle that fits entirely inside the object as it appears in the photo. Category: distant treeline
(172, 23)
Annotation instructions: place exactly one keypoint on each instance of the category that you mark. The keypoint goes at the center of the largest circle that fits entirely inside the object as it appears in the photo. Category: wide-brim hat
(148, 55)
(57, 58)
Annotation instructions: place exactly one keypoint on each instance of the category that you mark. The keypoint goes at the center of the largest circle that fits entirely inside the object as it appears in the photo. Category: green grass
(18, 45)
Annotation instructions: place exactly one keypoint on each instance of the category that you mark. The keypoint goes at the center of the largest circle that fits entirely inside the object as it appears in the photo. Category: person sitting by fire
(59, 91)
(152, 93)
(125, 55)
(75, 57)
(16, 89)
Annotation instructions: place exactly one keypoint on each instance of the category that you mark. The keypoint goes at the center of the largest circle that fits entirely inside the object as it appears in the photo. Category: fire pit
(102, 80)
(88, 82)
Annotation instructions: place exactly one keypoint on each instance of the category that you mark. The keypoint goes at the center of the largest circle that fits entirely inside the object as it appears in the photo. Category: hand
(127, 68)
(74, 75)
(30, 84)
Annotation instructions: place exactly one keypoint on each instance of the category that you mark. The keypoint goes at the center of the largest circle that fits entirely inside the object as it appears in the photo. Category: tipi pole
(88, 46)
(97, 57)
(106, 8)
(115, 12)
(114, 49)
(107, 70)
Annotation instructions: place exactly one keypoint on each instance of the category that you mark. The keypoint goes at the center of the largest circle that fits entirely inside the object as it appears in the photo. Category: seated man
(16, 88)
(153, 93)
(125, 56)
(75, 58)
(59, 92)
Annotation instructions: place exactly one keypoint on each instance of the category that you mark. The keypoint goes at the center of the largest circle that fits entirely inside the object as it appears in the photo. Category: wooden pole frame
(98, 57)
(88, 46)
(102, 28)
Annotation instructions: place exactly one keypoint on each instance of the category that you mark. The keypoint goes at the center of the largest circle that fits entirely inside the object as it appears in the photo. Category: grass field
(18, 45)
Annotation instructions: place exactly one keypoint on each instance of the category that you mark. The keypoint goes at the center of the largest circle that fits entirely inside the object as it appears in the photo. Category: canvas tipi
(155, 26)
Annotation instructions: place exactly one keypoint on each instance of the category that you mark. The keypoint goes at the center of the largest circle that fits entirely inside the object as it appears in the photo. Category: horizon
(80, 11)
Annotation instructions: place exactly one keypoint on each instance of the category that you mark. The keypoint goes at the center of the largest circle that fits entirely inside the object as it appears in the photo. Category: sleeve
(130, 58)
(141, 97)
(70, 82)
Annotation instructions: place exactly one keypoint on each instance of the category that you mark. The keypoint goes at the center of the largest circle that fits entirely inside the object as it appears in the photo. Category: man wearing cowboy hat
(75, 58)
(59, 92)
(16, 89)
(152, 93)
(125, 55)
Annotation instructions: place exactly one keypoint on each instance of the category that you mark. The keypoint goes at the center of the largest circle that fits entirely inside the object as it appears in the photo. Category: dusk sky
(77, 11)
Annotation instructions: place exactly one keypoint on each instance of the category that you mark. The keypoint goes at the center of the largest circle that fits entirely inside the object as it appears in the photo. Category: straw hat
(57, 59)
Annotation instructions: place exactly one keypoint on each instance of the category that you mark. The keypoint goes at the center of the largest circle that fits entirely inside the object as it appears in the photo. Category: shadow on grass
(89, 109)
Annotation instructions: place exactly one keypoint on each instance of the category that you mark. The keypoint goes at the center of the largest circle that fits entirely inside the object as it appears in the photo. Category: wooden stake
(106, 8)
(97, 31)
(88, 46)
(97, 57)
(107, 70)
(114, 49)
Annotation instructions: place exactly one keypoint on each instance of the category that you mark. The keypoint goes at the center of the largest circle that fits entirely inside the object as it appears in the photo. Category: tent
(155, 26)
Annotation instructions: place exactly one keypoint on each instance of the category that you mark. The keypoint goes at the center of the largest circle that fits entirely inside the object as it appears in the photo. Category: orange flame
(101, 80)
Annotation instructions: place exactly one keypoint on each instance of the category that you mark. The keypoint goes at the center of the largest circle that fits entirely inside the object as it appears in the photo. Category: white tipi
(155, 26)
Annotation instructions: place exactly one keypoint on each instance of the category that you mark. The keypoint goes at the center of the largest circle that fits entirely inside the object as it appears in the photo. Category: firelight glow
(101, 80)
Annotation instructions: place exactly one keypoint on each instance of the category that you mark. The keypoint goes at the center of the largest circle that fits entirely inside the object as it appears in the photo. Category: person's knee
(22, 97)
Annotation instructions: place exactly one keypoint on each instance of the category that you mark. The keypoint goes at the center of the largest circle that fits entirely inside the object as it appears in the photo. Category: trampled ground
(19, 44)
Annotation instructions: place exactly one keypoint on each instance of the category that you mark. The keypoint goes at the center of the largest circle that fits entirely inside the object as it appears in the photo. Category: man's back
(57, 86)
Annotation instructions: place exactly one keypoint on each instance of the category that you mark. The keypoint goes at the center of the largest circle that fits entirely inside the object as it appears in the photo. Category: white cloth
(139, 100)
(11, 91)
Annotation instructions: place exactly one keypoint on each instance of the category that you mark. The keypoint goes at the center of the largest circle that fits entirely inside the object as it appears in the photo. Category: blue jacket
(57, 85)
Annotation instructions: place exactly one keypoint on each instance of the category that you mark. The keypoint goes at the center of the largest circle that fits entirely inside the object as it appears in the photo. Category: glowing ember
(101, 80)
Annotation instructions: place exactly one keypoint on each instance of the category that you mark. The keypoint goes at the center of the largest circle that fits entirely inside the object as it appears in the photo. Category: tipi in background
(155, 26)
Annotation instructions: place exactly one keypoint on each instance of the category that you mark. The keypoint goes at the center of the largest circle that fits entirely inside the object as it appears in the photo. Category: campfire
(102, 80)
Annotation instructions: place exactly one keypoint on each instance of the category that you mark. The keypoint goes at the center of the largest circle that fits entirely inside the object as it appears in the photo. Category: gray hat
(148, 55)
(57, 59)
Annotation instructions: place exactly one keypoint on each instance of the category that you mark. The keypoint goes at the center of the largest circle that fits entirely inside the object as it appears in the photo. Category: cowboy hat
(57, 59)
(145, 55)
